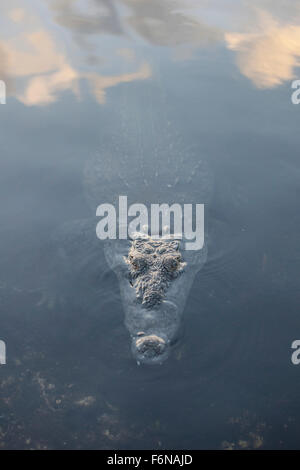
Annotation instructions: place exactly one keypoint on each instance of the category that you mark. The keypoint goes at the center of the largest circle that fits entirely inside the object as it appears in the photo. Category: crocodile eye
(148, 249)
(171, 263)
(138, 262)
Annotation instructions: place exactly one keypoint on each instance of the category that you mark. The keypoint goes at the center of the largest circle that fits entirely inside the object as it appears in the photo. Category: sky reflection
(52, 46)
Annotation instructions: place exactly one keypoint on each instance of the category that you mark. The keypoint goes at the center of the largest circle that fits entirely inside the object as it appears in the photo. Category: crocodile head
(155, 277)
(153, 265)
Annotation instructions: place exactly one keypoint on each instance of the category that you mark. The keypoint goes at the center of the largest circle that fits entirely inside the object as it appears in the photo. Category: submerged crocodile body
(150, 163)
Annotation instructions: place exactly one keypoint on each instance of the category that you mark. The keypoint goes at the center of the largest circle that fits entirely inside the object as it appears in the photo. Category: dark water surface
(85, 81)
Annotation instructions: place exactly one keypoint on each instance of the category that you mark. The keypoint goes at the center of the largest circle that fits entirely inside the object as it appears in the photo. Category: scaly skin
(153, 264)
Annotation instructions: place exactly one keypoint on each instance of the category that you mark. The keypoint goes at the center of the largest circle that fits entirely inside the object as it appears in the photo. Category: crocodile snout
(154, 291)
(150, 349)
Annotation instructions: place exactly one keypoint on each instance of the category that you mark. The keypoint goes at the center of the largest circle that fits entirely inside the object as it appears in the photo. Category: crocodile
(149, 162)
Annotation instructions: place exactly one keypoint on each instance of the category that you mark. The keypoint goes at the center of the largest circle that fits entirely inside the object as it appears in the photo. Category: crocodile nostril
(150, 348)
